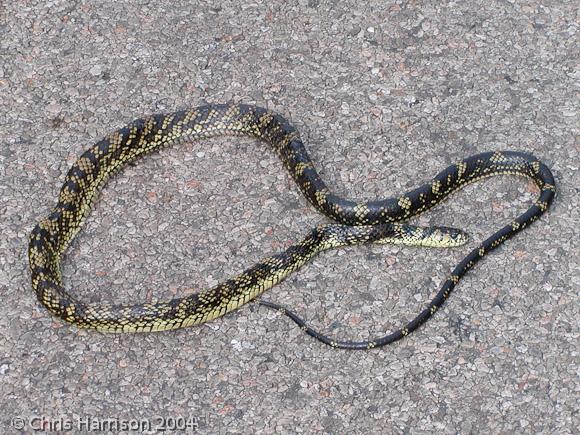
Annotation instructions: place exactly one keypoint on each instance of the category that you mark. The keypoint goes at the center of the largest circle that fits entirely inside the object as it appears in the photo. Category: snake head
(444, 237)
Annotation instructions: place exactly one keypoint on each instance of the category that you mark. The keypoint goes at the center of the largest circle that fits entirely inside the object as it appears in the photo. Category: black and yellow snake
(358, 222)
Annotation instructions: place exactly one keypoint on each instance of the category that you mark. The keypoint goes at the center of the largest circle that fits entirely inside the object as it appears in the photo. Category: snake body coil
(358, 222)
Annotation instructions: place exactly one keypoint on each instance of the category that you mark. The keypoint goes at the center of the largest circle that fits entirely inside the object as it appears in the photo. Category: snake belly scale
(377, 221)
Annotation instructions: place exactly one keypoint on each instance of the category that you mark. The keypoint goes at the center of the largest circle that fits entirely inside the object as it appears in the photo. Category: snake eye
(460, 237)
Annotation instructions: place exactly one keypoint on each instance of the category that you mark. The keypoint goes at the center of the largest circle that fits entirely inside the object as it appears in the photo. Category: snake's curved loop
(359, 222)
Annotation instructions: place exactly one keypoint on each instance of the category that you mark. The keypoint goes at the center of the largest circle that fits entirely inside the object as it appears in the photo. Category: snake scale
(357, 222)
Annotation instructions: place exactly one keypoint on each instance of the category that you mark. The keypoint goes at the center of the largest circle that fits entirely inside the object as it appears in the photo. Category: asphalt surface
(385, 94)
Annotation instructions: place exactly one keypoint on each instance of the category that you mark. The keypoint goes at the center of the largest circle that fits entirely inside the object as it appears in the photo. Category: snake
(376, 221)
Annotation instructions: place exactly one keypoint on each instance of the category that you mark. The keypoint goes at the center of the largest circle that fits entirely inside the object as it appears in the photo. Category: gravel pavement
(385, 94)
